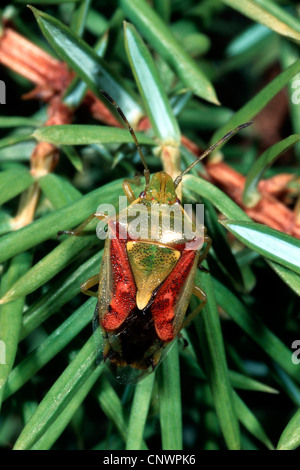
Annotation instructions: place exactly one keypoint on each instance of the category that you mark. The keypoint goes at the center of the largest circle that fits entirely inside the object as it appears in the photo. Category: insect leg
(80, 228)
(202, 296)
(128, 189)
(92, 281)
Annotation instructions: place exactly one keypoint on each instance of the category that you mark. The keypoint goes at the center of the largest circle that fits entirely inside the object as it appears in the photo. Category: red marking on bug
(164, 304)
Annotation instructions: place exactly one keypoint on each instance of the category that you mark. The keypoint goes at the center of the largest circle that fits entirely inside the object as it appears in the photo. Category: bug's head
(160, 190)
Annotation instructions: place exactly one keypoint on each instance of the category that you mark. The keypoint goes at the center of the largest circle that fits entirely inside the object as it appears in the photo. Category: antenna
(210, 149)
(112, 101)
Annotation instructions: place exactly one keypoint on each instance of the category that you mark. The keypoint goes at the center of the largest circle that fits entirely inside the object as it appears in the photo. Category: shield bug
(146, 277)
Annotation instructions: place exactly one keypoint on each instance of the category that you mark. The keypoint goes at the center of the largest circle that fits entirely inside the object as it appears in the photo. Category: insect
(146, 280)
